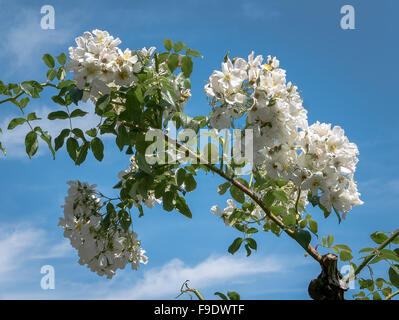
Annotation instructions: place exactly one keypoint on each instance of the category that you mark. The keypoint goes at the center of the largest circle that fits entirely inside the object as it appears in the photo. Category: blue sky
(348, 78)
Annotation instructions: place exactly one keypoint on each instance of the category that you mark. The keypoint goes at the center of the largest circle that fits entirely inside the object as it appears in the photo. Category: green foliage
(303, 237)
(49, 60)
(32, 88)
(232, 295)
(233, 248)
(97, 147)
(237, 194)
(31, 143)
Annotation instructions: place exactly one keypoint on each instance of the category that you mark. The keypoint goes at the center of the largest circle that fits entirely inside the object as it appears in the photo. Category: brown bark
(329, 285)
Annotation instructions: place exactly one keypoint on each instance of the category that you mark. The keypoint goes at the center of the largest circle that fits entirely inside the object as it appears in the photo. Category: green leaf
(82, 153)
(15, 122)
(97, 147)
(345, 255)
(142, 163)
(243, 182)
(72, 147)
(3, 149)
(303, 237)
(78, 113)
(237, 194)
(173, 62)
(313, 226)
(62, 58)
(376, 296)
(65, 84)
(268, 199)
(59, 100)
(343, 247)
(278, 210)
(247, 249)
(191, 52)
(102, 104)
(190, 183)
(124, 219)
(386, 291)
(31, 88)
(235, 245)
(32, 116)
(394, 275)
(180, 176)
(160, 189)
(31, 143)
(378, 237)
(251, 231)
(187, 83)
(233, 295)
(48, 60)
(280, 195)
(366, 284)
(76, 95)
(61, 74)
(187, 66)
(24, 102)
(167, 200)
(46, 137)
(59, 141)
(289, 219)
(223, 188)
(79, 133)
(389, 254)
(221, 295)
(57, 115)
(179, 46)
(182, 207)
(168, 44)
(92, 132)
(330, 240)
(252, 243)
(51, 74)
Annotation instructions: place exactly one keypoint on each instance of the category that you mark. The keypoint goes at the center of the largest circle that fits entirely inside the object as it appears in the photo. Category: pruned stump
(329, 285)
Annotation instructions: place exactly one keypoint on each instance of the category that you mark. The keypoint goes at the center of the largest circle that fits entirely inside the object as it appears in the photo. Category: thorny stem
(392, 295)
(380, 247)
(310, 250)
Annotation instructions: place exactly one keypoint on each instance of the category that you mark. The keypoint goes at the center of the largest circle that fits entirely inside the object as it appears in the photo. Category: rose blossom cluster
(98, 63)
(317, 158)
(103, 251)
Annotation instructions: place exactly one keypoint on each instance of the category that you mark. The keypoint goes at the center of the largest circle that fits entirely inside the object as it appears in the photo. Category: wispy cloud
(165, 282)
(20, 245)
(256, 12)
(25, 40)
(14, 247)
(23, 246)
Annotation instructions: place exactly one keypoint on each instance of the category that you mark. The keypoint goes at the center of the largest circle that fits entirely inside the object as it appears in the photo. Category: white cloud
(14, 247)
(255, 12)
(166, 281)
(25, 40)
(21, 245)
(58, 250)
